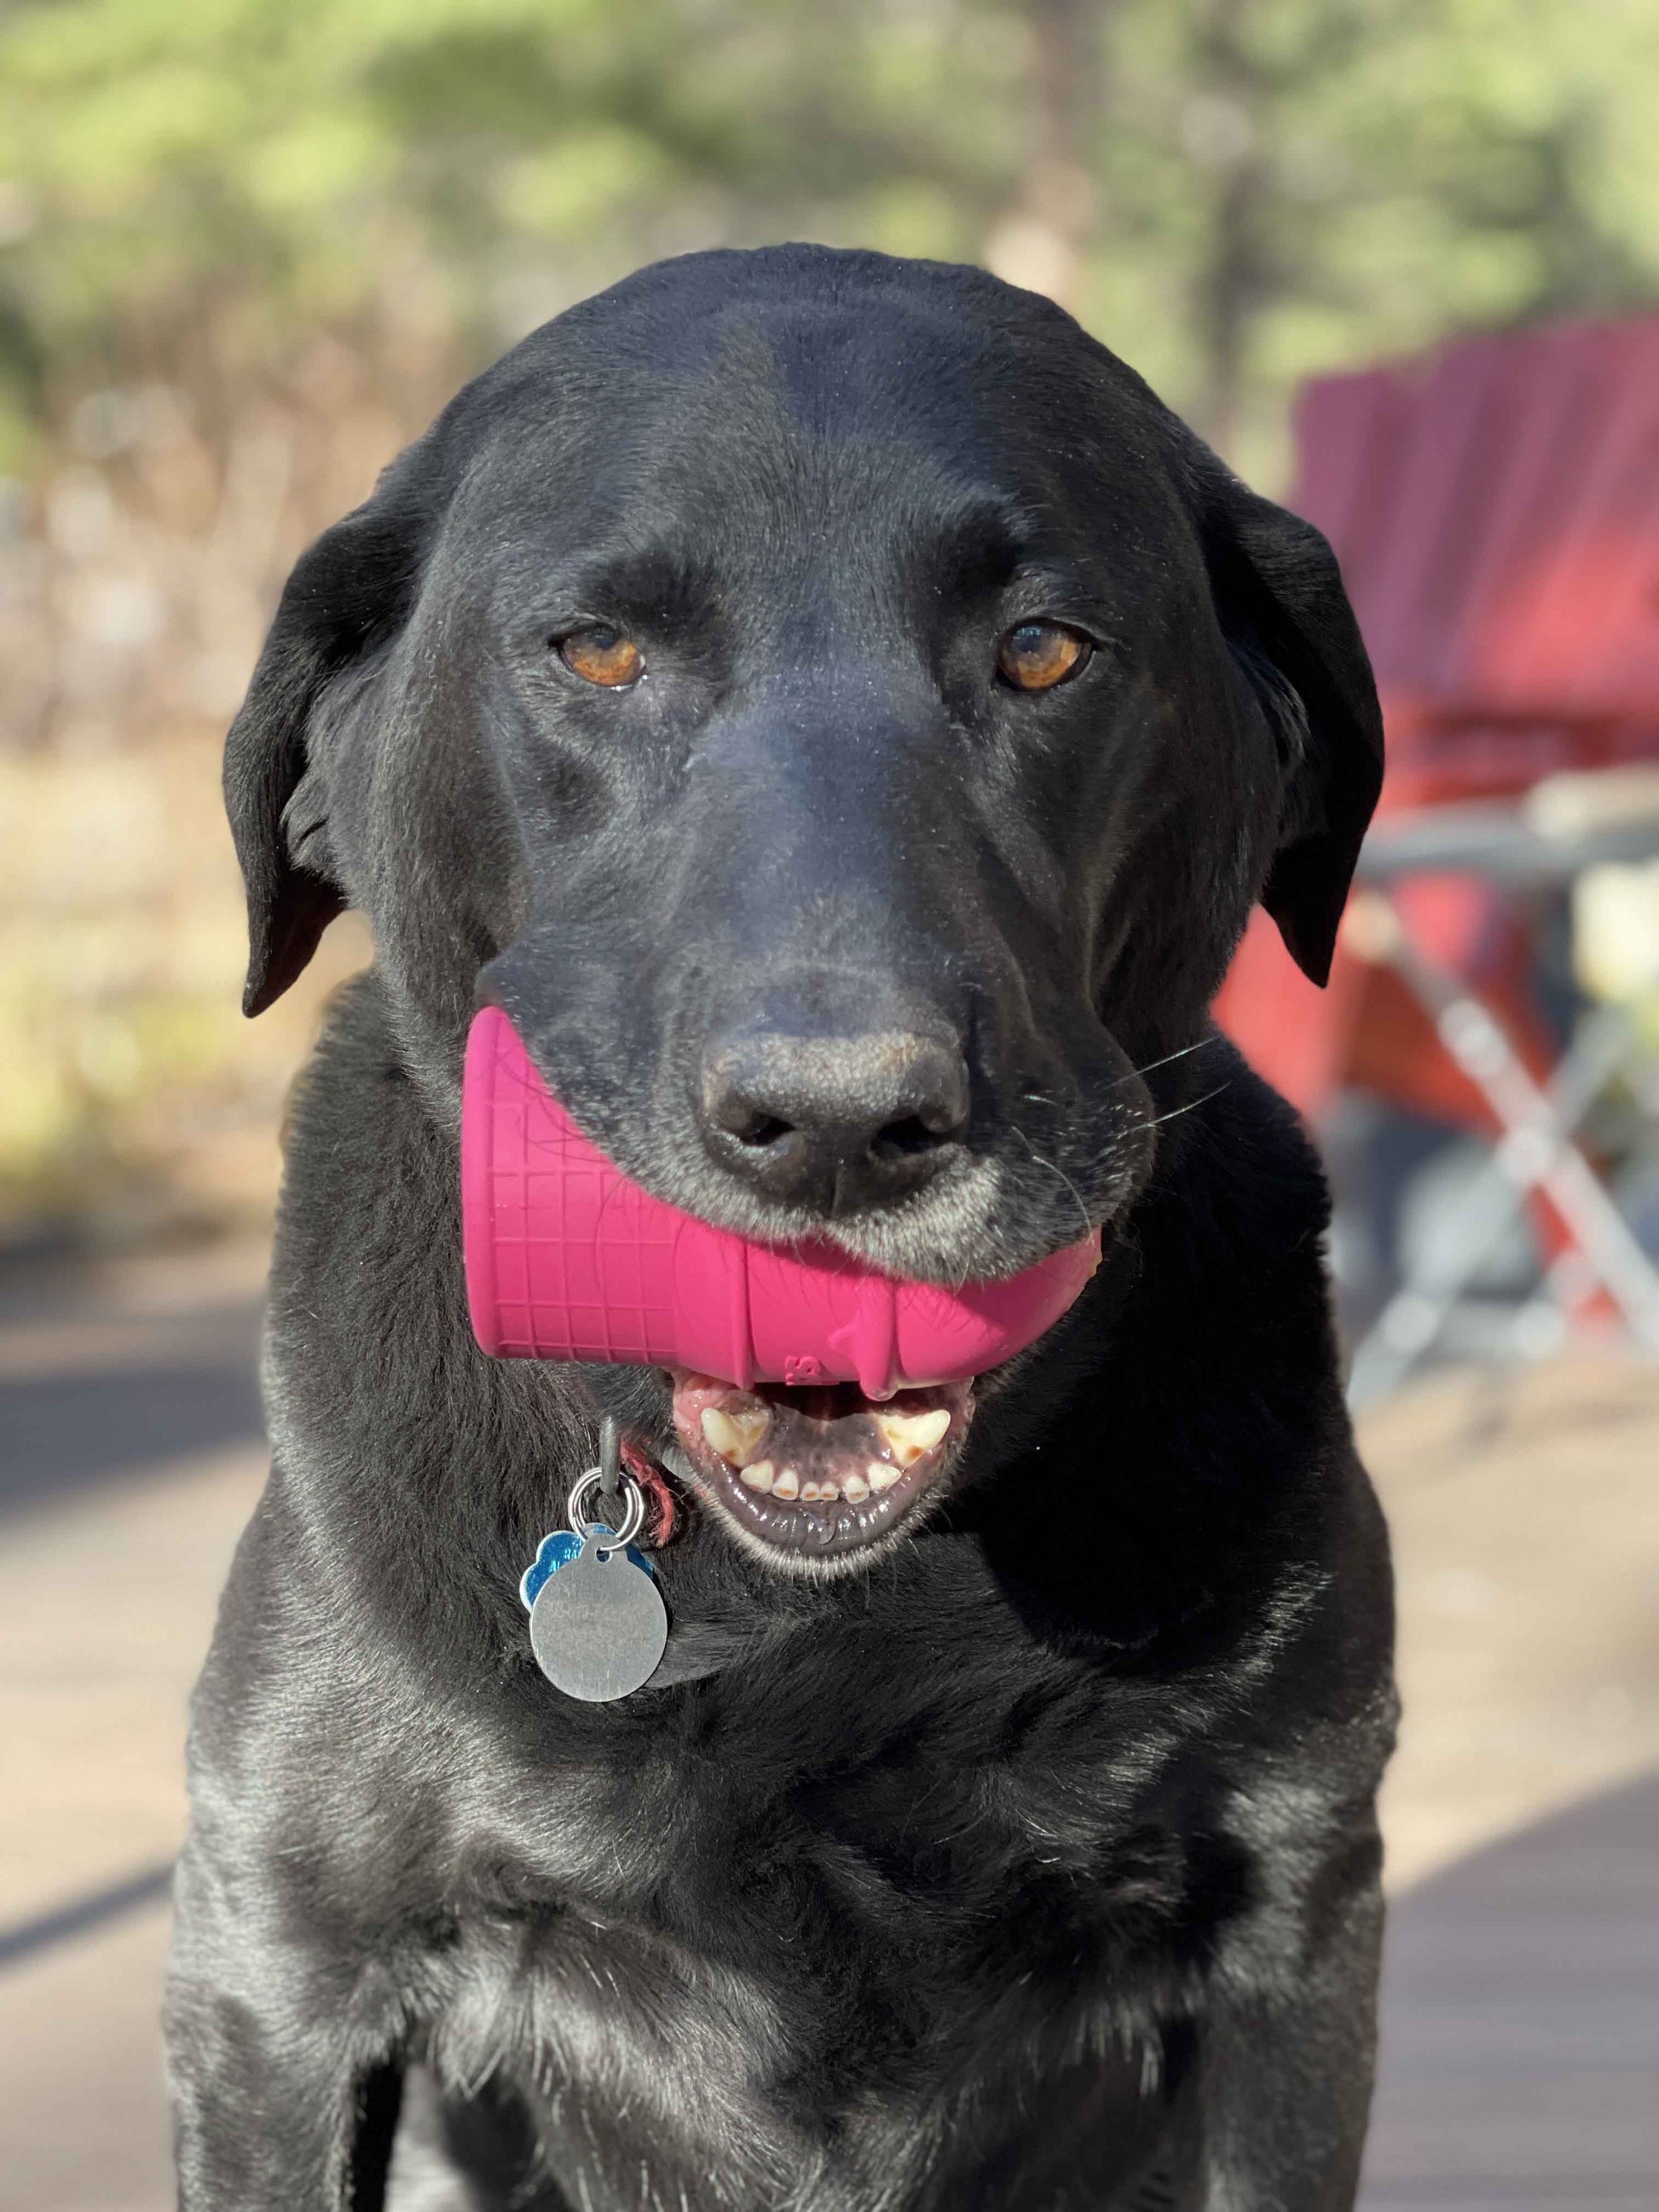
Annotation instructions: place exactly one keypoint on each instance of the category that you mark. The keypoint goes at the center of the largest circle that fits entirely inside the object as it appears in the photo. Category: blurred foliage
(1231, 191)
(247, 248)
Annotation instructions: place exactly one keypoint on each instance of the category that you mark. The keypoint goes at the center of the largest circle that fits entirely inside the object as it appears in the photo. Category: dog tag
(559, 1549)
(598, 1626)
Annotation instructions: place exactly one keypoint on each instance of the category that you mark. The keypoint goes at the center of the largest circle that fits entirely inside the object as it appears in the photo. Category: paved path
(1521, 2025)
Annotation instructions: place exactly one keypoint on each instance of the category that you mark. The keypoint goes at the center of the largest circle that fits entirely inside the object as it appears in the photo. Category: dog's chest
(819, 1930)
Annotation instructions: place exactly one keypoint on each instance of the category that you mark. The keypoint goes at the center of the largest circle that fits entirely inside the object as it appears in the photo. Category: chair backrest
(1495, 508)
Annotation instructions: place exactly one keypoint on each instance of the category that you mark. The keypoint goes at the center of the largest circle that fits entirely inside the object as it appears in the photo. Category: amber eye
(1037, 655)
(599, 654)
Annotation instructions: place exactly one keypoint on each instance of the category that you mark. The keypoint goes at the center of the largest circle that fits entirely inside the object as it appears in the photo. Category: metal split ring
(608, 1475)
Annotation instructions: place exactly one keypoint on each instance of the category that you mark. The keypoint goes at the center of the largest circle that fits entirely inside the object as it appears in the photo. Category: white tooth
(788, 1484)
(882, 1477)
(809, 1493)
(855, 1489)
(758, 1477)
(722, 1433)
(911, 1434)
(735, 1437)
(753, 1425)
(828, 1491)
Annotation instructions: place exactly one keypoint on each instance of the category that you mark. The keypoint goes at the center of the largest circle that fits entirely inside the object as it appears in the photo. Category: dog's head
(844, 719)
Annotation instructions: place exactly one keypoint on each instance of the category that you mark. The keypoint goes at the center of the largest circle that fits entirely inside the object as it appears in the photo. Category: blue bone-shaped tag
(558, 1551)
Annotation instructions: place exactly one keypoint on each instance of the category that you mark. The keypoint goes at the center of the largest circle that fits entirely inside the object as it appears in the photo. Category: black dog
(845, 720)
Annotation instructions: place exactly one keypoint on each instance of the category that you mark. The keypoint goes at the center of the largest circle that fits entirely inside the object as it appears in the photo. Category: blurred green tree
(1230, 190)
(248, 247)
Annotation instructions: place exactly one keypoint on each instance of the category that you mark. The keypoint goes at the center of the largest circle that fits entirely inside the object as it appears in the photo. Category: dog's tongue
(821, 1448)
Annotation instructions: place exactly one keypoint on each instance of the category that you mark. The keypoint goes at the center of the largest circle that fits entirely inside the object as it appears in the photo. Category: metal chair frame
(1536, 1150)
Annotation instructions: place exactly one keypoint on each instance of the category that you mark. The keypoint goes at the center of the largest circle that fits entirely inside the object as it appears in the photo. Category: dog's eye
(599, 654)
(1037, 655)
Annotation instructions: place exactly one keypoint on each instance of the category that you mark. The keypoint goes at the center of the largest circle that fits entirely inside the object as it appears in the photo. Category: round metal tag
(598, 1626)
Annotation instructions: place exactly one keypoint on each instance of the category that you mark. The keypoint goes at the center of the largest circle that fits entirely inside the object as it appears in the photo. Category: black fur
(1033, 1864)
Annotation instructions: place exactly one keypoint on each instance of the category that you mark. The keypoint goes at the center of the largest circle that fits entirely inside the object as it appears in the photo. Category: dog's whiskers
(1176, 1112)
(1199, 1044)
(1060, 1174)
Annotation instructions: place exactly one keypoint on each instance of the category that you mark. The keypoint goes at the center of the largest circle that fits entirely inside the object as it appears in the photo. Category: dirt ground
(1521, 2031)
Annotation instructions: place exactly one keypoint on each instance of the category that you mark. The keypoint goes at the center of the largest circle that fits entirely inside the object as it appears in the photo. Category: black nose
(834, 1122)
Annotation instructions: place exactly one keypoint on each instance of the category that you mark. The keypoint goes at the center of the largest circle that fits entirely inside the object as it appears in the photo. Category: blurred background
(1398, 261)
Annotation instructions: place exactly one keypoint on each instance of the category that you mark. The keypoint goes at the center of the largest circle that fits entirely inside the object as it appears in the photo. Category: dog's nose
(834, 1122)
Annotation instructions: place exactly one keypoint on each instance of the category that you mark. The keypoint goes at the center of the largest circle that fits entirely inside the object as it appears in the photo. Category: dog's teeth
(758, 1477)
(809, 1493)
(909, 1435)
(788, 1484)
(722, 1433)
(882, 1477)
(828, 1491)
(855, 1489)
(735, 1437)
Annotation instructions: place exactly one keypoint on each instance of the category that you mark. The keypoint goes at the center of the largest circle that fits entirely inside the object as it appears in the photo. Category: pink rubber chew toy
(567, 1259)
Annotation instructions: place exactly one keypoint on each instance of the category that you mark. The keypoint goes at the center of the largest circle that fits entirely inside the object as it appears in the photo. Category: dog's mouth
(817, 1472)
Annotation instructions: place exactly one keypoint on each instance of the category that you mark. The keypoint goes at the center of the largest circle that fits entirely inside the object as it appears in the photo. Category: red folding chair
(1495, 508)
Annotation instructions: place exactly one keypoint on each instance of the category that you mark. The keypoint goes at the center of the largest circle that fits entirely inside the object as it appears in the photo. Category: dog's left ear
(1285, 615)
(347, 593)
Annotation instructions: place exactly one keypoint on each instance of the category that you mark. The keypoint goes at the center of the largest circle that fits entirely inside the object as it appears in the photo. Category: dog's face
(844, 720)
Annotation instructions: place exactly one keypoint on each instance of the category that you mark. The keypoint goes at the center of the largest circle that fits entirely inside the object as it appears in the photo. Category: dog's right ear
(347, 594)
